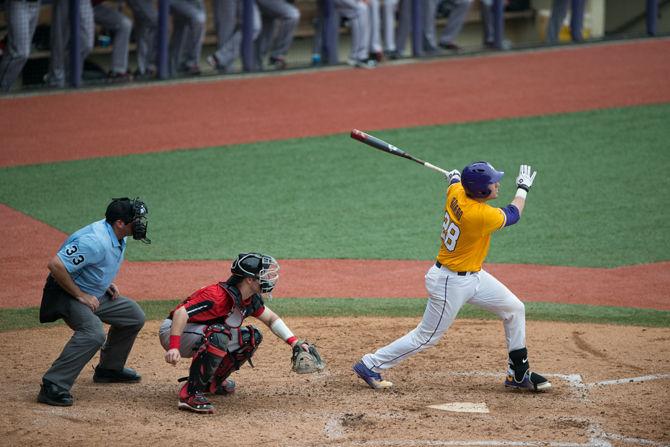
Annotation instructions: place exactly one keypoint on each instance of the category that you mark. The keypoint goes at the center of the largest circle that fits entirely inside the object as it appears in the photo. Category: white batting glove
(451, 175)
(525, 178)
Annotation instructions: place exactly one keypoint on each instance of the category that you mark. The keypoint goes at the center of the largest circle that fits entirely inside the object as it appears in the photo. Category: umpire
(79, 289)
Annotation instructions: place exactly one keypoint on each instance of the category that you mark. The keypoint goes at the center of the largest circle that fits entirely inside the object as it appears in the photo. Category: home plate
(462, 407)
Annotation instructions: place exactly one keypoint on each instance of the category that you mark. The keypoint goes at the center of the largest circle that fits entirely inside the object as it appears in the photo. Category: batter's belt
(438, 264)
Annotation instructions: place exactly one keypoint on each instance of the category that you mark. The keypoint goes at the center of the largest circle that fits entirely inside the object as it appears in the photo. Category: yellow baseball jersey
(466, 230)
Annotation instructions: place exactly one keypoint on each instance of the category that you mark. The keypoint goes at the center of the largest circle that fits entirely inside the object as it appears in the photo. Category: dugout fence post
(417, 28)
(247, 50)
(163, 14)
(75, 43)
(652, 16)
(498, 23)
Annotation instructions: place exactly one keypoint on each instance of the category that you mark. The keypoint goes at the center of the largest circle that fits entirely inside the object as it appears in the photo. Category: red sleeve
(258, 312)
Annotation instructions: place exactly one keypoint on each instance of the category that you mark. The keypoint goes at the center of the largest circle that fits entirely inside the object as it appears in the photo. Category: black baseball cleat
(52, 394)
(125, 375)
(530, 381)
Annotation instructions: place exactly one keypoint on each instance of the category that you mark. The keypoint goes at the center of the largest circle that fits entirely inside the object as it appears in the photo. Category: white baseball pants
(448, 292)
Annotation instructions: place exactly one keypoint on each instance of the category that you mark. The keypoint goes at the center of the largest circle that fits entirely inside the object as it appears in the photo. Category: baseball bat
(382, 145)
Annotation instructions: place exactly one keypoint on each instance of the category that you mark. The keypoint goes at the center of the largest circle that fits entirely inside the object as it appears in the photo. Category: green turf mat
(11, 319)
(597, 200)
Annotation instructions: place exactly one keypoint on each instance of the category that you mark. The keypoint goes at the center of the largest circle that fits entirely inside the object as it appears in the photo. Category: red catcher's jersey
(215, 303)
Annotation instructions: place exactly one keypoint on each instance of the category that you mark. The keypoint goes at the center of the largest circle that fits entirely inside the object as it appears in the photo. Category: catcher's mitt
(306, 362)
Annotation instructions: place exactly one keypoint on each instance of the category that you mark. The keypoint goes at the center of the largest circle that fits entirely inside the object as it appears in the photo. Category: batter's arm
(63, 278)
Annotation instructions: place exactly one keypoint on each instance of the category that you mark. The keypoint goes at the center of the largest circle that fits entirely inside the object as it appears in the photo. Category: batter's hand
(525, 178)
(113, 291)
(451, 175)
(173, 356)
(89, 300)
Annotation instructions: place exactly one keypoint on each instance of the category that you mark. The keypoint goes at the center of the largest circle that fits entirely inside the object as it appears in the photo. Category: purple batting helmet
(477, 177)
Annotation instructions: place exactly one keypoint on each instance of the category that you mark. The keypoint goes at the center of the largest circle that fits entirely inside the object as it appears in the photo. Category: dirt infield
(276, 407)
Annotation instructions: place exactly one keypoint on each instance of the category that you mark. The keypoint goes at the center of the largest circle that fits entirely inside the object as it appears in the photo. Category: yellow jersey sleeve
(466, 231)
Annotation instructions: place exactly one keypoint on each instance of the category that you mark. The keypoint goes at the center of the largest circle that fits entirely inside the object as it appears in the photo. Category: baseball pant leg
(146, 26)
(559, 9)
(87, 339)
(285, 17)
(429, 32)
(495, 297)
(577, 20)
(58, 40)
(225, 21)
(121, 26)
(447, 294)
(21, 21)
(191, 338)
(357, 13)
(86, 29)
(389, 11)
(404, 25)
(455, 22)
(486, 14)
(375, 26)
(126, 319)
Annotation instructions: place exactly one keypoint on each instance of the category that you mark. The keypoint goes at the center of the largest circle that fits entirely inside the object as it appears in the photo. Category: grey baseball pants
(358, 14)
(146, 26)
(113, 20)
(227, 21)
(125, 318)
(279, 20)
(559, 9)
(188, 32)
(21, 21)
(60, 35)
(451, 30)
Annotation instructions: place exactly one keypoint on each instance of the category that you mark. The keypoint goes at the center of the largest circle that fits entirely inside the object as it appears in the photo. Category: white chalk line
(334, 430)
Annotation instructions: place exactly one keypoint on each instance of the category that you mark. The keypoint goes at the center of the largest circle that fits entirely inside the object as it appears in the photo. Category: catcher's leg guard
(248, 338)
(208, 357)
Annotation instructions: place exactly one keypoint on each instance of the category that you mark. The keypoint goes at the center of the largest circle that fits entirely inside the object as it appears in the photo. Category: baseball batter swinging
(208, 327)
(457, 277)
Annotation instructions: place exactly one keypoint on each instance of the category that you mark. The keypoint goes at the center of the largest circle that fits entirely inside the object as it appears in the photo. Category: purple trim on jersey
(512, 214)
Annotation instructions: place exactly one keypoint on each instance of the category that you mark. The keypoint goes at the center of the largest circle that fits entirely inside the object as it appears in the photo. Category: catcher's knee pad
(209, 356)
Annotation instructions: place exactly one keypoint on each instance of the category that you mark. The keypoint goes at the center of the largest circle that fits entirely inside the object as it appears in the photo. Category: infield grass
(598, 200)
(11, 319)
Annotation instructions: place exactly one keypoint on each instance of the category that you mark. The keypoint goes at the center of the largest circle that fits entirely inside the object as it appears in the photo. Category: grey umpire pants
(126, 319)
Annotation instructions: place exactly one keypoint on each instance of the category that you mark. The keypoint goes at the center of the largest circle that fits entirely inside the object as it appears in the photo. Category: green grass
(598, 199)
(12, 319)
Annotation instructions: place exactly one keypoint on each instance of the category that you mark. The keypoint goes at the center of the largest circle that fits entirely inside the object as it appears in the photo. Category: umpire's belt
(438, 264)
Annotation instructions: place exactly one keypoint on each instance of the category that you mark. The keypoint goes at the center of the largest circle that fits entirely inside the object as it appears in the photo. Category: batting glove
(453, 176)
(525, 178)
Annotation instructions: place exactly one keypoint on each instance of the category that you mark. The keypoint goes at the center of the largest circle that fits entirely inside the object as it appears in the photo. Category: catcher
(207, 326)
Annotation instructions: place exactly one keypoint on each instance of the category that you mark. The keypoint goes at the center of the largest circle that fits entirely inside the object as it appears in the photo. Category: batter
(457, 277)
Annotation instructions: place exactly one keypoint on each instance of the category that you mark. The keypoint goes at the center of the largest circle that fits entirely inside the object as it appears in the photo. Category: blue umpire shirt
(93, 256)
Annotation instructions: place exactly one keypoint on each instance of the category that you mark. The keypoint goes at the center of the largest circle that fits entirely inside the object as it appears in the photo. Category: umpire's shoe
(125, 375)
(373, 379)
(52, 394)
(530, 381)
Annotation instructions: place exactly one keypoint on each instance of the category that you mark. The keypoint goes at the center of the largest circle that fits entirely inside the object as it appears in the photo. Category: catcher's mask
(264, 268)
(130, 211)
(477, 177)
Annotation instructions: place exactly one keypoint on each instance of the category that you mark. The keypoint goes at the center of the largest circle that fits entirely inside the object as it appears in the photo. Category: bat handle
(435, 168)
